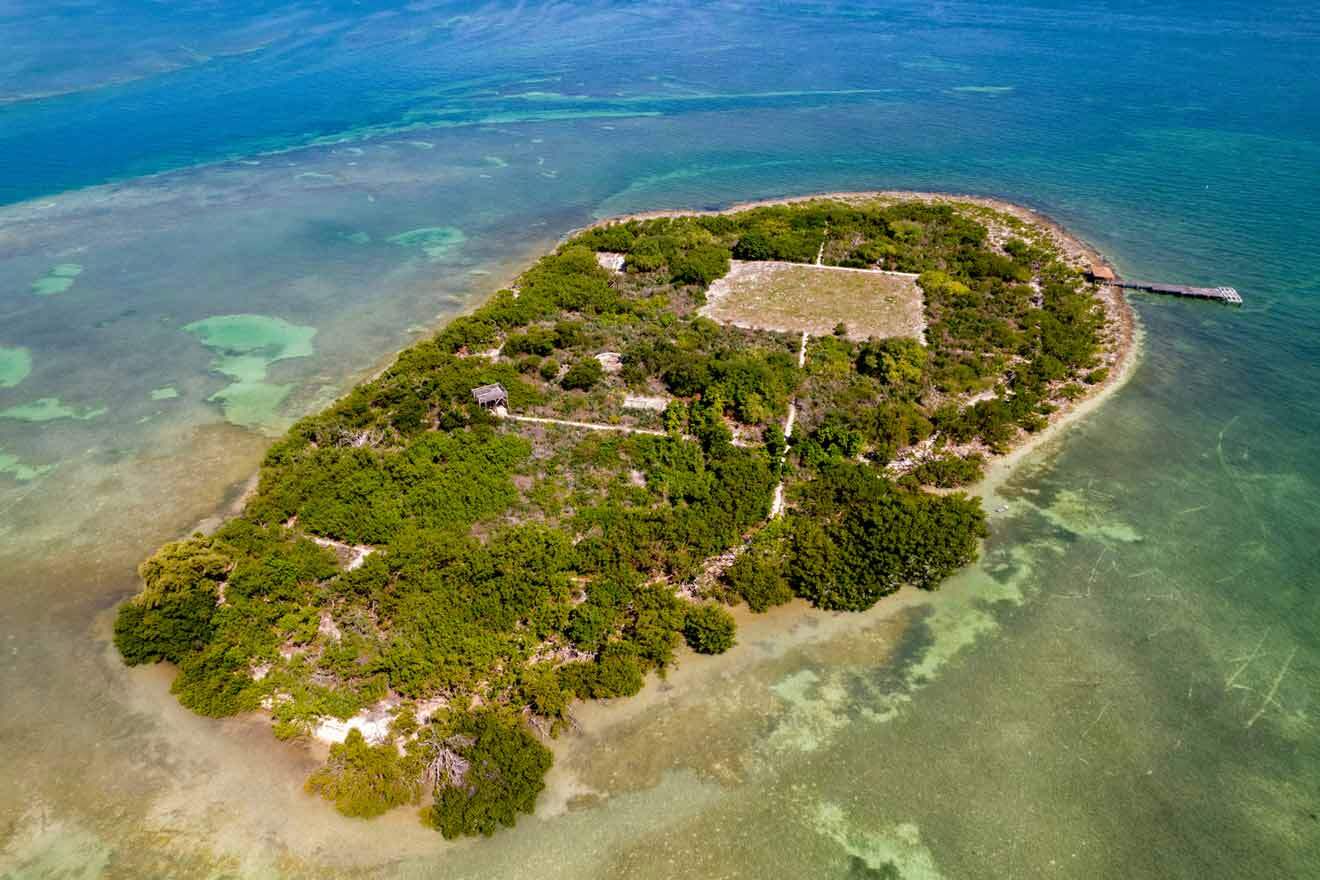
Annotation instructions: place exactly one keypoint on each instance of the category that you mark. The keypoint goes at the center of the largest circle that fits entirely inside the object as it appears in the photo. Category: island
(667, 416)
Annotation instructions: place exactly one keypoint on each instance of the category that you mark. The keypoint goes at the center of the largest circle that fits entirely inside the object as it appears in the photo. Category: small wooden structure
(1101, 274)
(491, 396)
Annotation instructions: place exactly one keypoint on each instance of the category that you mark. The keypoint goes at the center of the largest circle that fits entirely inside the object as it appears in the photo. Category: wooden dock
(1101, 273)
(1222, 294)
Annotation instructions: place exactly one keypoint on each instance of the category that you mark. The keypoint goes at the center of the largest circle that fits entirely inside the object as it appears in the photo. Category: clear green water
(48, 409)
(1126, 685)
(15, 364)
(245, 346)
(437, 242)
(60, 279)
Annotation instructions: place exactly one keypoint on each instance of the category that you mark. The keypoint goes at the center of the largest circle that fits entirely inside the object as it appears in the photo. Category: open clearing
(796, 297)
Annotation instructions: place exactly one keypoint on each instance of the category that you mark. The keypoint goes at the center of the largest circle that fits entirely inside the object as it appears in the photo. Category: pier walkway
(1222, 294)
(1103, 273)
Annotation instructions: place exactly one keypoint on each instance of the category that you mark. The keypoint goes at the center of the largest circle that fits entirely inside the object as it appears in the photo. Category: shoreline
(1120, 359)
(1116, 307)
(1126, 355)
(1119, 354)
(797, 626)
(236, 495)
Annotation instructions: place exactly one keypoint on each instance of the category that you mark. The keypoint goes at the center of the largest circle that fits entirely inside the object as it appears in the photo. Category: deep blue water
(1092, 715)
(243, 77)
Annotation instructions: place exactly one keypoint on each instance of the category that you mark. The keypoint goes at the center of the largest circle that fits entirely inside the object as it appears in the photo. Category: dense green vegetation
(948, 471)
(709, 629)
(857, 536)
(500, 771)
(365, 780)
(406, 549)
(757, 575)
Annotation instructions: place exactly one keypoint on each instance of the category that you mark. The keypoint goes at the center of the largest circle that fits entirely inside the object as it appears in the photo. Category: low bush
(709, 629)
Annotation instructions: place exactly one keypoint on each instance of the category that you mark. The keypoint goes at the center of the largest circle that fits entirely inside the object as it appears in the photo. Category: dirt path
(892, 273)
(351, 556)
(777, 505)
(590, 426)
(597, 426)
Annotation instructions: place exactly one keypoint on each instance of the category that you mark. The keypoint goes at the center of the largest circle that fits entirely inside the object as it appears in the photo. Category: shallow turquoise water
(1126, 686)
